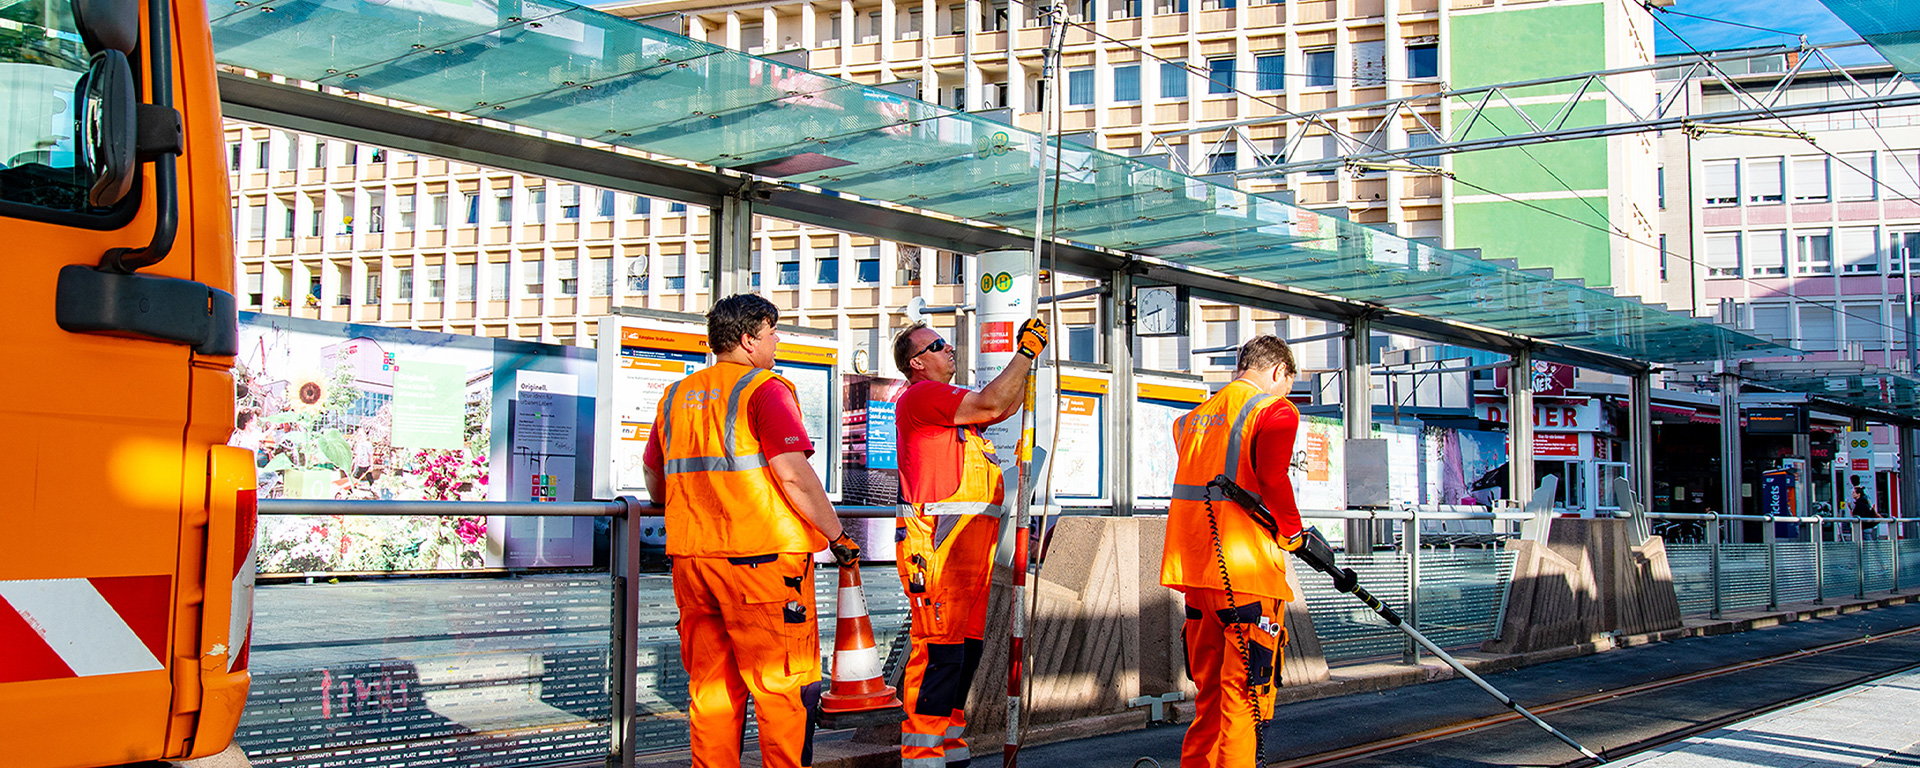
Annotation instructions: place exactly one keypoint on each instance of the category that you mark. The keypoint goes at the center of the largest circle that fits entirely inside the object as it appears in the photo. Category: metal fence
(538, 668)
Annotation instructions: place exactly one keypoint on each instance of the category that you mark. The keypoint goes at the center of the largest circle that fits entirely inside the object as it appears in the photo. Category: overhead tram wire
(1652, 7)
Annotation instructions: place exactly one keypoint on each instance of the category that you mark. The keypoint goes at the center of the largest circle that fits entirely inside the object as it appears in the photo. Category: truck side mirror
(108, 25)
(104, 127)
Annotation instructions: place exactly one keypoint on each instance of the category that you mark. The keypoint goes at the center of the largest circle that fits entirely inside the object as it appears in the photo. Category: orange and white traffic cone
(859, 696)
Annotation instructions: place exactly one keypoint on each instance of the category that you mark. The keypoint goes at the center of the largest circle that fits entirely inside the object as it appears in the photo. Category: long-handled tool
(1315, 551)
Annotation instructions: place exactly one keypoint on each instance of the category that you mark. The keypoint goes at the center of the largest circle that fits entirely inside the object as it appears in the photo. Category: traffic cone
(858, 697)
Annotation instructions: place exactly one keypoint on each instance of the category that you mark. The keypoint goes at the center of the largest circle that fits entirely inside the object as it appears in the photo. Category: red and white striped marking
(240, 611)
(58, 628)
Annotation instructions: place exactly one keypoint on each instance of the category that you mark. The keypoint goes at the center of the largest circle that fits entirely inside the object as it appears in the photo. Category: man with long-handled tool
(951, 497)
(1314, 551)
(1231, 571)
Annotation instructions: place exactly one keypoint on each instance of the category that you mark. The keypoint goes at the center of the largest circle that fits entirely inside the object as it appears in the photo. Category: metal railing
(566, 667)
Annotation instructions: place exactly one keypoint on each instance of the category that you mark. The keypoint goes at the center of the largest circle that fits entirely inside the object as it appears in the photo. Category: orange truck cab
(126, 531)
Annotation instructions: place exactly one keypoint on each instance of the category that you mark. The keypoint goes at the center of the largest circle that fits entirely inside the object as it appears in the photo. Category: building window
(257, 221)
(1813, 253)
(676, 276)
(949, 268)
(1816, 327)
(637, 275)
(1080, 87)
(233, 160)
(827, 266)
(1863, 323)
(867, 265)
(1219, 75)
(1766, 253)
(406, 203)
(376, 218)
(1319, 69)
(1903, 249)
(786, 263)
(642, 206)
(534, 274)
(255, 296)
(570, 202)
(1126, 83)
(320, 153)
(1126, 9)
(676, 207)
(1723, 254)
(503, 207)
(1810, 180)
(372, 296)
(537, 205)
(1224, 159)
(606, 203)
(1660, 185)
(1902, 175)
(288, 220)
(1663, 257)
(403, 276)
(497, 279)
(602, 276)
(467, 282)
(1773, 320)
(1853, 178)
(1764, 183)
(1270, 72)
(1423, 60)
(1173, 80)
(1164, 7)
(1721, 181)
(472, 205)
(263, 156)
(569, 276)
(1859, 250)
(436, 282)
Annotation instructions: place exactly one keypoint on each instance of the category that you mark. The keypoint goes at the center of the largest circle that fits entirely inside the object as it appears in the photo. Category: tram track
(1636, 708)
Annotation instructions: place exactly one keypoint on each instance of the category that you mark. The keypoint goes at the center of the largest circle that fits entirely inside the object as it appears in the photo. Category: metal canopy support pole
(1640, 437)
(1520, 478)
(1120, 405)
(1729, 468)
(625, 694)
(1356, 410)
(1410, 546)
(730, 247)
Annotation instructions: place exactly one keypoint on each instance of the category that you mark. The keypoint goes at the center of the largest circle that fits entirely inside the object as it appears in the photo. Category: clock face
(1159, 311)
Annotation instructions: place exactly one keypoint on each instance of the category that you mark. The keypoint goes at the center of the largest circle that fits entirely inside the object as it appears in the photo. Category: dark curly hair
(738, 315)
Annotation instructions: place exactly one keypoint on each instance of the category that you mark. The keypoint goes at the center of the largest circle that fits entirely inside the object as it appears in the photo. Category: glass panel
(41, 60)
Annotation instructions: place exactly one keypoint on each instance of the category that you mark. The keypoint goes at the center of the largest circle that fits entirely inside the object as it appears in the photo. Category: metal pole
(1120, 406)
(1520, 476)
(1773, 565)
(1730, 495)
(1819, 560)
(1410, 543)
(730, 247)
(1713, 559)
(1641, 436)
(625, 691)
(1356, 411)
(1860, 558)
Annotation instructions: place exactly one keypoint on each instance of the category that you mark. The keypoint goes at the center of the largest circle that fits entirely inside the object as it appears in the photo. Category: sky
(1800, 17)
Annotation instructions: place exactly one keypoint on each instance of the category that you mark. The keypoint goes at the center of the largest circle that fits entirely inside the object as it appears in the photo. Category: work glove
(845, 551)
(1033, 337)
(1294, 542)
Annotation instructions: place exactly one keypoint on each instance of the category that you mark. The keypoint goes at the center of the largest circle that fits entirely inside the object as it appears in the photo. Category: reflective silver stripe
(923, 762)
(715, 463)
(1182, 492)
(961, 508)
(666, 417)
(958, 754)
(733, 408)
(906, 510)
(954, 732)
(923, 740)
(1233, 438)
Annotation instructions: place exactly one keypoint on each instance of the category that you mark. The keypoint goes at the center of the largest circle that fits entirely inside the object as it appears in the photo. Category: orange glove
(1292, 543)
(1033, 337)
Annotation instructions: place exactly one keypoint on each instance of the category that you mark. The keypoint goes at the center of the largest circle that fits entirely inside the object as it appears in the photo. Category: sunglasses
(936, 346)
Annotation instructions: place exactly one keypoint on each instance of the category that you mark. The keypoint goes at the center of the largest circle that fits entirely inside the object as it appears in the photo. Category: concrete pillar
(1120, 404)
(1356, 410)
(1520, 478)
(730, 247)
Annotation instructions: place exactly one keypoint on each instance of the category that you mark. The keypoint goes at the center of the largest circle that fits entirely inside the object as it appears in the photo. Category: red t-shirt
(1273, 436)
(774, 415)
(932, 447)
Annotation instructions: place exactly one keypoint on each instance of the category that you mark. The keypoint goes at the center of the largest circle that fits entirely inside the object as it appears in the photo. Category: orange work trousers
(946, 567)
(747, 627)
(1223, 733)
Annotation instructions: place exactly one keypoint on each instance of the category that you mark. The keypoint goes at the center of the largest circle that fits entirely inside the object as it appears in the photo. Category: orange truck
(126, 533)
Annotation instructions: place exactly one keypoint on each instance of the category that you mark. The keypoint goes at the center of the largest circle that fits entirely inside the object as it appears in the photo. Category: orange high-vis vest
(982, 489)
(723, 500)
(1215, 439)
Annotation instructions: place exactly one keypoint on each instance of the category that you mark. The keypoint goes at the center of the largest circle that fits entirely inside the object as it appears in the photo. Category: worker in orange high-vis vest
(1231, 571)
(946, 531)
(745, 513)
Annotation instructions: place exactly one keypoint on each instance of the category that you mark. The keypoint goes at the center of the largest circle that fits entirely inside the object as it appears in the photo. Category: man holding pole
(948, 525)
(1231, 571)
(728, 458)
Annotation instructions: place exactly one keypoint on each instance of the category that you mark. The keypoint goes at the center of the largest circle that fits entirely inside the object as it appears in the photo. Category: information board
(1158, 401)
(812, 363)
(1080, 438)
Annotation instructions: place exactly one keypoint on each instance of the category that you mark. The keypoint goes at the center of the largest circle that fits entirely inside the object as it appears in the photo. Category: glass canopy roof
(1886, 392)
(558, 67)
(1892, 27)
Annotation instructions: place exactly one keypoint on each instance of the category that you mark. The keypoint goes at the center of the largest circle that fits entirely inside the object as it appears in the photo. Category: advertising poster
(1159, 401)
(336, 411)
(1320, 464)
(1080, 439)
(1471, 465)
(544, 463)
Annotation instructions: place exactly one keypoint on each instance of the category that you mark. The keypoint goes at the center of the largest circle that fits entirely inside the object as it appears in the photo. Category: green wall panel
(1514, 45)
(1581, 164)
(1506, 230)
